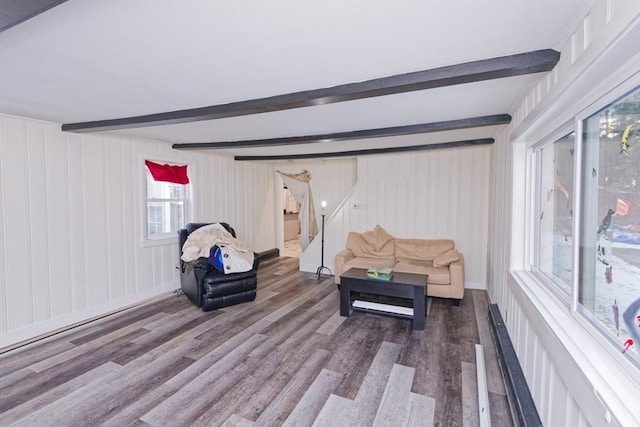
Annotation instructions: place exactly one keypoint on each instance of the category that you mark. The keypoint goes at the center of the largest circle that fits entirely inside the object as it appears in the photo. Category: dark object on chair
(209, 288)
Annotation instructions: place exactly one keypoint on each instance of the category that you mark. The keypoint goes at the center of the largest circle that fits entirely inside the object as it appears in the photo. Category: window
(609, 285)
(166, 207)
(595, 268)
(554, 212)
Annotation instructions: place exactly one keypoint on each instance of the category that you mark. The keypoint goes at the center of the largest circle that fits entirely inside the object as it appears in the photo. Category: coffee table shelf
(402, 285)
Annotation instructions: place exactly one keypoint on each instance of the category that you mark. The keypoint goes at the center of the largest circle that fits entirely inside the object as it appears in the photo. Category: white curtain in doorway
(298, 185)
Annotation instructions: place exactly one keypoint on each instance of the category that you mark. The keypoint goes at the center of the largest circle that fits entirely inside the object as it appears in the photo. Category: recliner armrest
(256, 261)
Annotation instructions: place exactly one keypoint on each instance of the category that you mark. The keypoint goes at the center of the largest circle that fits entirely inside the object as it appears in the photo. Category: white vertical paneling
(38, 234)
(95, 219)
(114, 221)
(439, 217)
(240, 193)
(3, 276)
(525, 346)
(57, 199)
(76, 221)
(17, 230)
(434, 194)
(573, 412)
(128, 163)
(76, 204)
(557, 400)
(265, 212)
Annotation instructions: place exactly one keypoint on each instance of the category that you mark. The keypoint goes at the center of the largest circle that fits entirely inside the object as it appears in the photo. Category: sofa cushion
(437, 275)
(446, 258)
(365, 262)
(421, 249)
(380, 246)
(377, 238)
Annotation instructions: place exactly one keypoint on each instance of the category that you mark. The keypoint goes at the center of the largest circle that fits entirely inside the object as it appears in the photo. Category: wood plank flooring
(286, 359)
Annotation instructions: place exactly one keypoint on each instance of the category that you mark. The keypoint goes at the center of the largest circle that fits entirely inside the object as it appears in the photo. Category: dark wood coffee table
(402, 285)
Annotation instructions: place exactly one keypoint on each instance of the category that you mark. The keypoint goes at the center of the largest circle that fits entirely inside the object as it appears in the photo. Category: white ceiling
(88, 60)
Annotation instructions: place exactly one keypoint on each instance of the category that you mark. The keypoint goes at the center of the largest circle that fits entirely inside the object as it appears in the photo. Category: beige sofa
(437, 258)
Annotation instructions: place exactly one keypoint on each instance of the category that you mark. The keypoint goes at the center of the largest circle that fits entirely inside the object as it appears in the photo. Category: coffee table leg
(345, 297)
(418, 307)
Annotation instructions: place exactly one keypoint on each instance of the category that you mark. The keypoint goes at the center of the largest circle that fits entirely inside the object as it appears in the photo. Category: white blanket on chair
(237, 255)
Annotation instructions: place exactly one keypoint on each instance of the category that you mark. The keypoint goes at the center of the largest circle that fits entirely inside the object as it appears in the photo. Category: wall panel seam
(47, 220)
(4, 322)
(105, 192)
(28, 231)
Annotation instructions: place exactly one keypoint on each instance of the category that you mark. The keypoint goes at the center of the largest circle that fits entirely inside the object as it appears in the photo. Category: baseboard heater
(268, 254)
(523, 408)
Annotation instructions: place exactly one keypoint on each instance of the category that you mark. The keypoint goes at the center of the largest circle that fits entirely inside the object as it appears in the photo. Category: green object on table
(380, 273)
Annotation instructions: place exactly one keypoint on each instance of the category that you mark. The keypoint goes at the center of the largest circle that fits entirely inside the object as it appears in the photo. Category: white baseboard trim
(48, 326)
(475, 285)
(483, 392)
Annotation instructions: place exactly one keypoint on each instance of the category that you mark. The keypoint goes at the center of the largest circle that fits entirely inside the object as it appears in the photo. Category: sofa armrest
(456, 270)
(341, 258)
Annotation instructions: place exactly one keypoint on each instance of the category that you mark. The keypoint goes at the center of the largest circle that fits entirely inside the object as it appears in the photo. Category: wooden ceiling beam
(472, 122)
(16, 12)
(487, 69)
(436, 146)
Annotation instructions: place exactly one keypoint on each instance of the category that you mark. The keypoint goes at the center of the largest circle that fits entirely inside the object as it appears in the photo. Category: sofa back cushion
(368, 245)
(422, 249)
(436, 276)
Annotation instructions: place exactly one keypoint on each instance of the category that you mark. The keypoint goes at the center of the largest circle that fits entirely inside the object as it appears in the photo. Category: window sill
(159, 241)
(578, 356)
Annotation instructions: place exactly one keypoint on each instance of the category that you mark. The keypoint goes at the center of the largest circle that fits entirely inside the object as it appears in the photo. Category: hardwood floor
(287, 358)
(292, 248)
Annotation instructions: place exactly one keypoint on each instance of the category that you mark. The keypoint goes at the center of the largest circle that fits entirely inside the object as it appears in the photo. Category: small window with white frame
(166, 199)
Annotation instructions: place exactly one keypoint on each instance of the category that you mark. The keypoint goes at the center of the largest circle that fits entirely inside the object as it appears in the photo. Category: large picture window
(586, 219)
(609, 284)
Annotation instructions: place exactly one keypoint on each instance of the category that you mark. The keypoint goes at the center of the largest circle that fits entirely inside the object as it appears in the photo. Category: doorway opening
(291, 225)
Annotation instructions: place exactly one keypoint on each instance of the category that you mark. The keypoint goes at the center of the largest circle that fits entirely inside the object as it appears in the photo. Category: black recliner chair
(209, 288)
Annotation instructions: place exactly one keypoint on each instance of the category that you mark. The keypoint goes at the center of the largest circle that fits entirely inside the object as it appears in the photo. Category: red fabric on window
(168, 173)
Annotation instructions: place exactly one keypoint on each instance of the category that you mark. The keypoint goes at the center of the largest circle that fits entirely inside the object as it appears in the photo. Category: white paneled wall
(430, 194)
(72, 222)
(563, 363)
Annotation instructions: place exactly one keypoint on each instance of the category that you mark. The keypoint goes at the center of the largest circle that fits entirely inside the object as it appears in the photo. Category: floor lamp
(322, 266)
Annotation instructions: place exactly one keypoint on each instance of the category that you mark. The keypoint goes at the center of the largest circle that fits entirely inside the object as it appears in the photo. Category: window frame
(562, 292)
(147, 239)
(579, 312)
(575, 123)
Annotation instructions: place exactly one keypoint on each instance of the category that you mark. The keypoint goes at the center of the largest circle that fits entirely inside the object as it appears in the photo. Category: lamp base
(321, 268)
